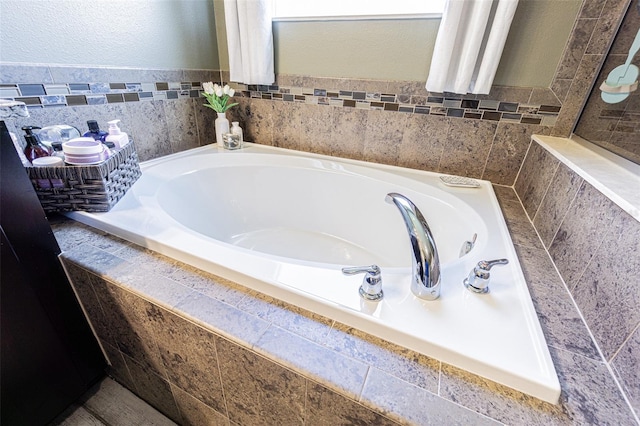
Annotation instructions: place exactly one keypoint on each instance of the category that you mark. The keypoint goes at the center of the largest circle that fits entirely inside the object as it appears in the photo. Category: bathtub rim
(545, 390)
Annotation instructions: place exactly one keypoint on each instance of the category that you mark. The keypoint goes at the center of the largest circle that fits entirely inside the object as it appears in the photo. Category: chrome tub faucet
(425, 265)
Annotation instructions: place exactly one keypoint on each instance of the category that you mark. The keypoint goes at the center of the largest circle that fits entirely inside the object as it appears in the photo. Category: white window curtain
(469, 44)
(250, 40)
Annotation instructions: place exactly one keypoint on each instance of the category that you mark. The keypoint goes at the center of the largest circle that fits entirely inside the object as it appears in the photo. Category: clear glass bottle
(237, 130)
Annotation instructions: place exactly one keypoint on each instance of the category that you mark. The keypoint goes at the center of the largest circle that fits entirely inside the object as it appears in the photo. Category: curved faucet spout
(425, 267)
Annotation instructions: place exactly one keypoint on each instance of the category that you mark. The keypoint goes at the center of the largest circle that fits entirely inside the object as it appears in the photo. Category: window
(355, 9)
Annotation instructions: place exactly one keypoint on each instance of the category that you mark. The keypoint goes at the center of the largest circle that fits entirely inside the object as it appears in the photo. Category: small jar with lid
(237, 130)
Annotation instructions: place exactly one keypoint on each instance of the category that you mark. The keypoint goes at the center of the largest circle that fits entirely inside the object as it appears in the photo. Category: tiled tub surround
(207, 351)
(289, 240)
(410, 98)
(496, 127)
(595, 246)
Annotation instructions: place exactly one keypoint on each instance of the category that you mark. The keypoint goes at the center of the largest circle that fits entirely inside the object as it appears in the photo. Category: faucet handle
(371, 288)
(478, 279)
(467, 246)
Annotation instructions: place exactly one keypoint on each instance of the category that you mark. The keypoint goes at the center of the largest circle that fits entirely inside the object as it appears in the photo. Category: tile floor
(110, 404)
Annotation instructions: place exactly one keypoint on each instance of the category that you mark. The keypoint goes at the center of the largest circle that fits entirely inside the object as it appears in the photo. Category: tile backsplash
(159, 109)
(396, 123)
(484, 107)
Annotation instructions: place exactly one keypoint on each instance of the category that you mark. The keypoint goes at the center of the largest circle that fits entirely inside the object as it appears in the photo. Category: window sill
(358, 17)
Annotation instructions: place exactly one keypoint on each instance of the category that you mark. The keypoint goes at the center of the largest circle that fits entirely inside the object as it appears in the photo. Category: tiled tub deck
(204, 350)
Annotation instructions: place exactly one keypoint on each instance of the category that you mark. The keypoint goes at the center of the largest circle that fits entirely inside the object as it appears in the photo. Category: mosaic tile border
(45, 95)
(74, 94)
(442, 105)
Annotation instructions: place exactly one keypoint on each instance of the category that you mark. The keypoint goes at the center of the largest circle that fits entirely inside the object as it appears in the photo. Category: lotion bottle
(35, 148)
(94, 131)
(117, 136)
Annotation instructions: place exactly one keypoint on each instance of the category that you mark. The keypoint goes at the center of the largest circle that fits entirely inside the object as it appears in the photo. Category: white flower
(208, 88)
(218, 97)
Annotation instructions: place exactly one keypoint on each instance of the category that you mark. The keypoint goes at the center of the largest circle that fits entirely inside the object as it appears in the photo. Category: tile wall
(595, 247)
(159, 109)
(387, 122)
(193, 345)
(199, 347)
(430, 131)
(595, 27)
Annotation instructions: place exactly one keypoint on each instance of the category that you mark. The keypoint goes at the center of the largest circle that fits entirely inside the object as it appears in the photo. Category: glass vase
(222, 127)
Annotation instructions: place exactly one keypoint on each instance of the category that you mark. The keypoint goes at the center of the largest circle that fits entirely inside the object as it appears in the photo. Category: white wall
(120, 33)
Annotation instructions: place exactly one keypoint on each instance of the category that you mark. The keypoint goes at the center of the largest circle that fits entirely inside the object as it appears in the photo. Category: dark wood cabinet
(49, 356)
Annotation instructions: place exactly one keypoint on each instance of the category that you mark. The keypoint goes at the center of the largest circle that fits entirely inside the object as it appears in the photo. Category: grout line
(544, 195)
(531, 141)
(493, 143)
(564, 216)
(364, 383)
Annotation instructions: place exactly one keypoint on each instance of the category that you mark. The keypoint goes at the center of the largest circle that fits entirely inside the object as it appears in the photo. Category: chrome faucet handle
(467, 246)
(371, 288)
(478, 279)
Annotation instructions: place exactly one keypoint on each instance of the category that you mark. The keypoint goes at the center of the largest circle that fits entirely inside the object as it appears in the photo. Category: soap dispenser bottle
(94, 131)
(35, 148)
(117, 136)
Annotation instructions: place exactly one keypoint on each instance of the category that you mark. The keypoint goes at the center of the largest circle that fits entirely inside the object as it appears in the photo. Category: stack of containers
(100, 168)
(84, 150)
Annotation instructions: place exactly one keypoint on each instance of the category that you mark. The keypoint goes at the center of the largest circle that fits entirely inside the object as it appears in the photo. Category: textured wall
(141, 33)
(593, 31)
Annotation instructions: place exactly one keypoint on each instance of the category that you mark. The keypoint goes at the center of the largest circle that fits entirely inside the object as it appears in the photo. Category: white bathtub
(285, 223)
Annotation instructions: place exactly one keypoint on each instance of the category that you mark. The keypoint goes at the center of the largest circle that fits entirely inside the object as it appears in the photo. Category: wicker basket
(92, 188)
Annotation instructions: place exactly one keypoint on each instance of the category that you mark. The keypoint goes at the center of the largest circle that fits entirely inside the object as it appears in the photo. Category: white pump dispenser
(117, 136)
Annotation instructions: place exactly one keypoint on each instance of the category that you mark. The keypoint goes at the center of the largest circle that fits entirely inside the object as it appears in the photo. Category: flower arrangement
(218, 96)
